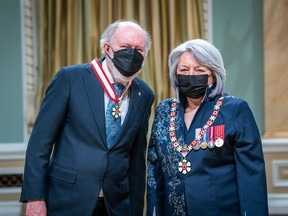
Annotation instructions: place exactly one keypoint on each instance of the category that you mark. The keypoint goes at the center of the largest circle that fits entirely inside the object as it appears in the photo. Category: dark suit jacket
(67, 159)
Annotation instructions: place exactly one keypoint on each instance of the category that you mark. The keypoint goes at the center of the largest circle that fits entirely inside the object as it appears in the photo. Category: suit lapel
(95, 94)
(135, 100)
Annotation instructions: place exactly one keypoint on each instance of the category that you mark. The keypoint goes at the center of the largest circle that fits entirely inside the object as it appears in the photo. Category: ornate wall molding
(31, 65)
(275, 145)
(278, 203)
(10, 208)
(277, 167)
(12, 151)
(280, 173)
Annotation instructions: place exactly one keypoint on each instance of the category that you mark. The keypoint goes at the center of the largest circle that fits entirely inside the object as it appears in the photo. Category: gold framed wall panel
(276, 161)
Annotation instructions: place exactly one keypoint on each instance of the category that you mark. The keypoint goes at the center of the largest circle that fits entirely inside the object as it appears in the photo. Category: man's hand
(36, 208)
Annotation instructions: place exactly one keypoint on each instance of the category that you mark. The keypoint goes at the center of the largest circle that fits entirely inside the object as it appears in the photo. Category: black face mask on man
(193, 86)
(127, 61)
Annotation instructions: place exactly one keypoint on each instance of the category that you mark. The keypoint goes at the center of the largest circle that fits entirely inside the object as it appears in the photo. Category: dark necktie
(113, 118)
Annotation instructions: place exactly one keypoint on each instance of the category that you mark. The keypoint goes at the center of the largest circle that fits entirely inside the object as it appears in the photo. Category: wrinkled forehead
(129, 33)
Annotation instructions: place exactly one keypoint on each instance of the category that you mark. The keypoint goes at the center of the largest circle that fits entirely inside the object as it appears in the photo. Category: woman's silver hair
(207, 55)
(107, 35)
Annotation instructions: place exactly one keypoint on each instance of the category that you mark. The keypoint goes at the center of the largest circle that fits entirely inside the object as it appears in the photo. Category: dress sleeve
(155, 182)
(137, 174)
(249, 161)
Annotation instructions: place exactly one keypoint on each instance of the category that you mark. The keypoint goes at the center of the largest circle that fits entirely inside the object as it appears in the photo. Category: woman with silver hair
(205, 154)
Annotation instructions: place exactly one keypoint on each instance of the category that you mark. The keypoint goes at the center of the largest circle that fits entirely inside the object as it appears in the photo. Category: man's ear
(106, 47)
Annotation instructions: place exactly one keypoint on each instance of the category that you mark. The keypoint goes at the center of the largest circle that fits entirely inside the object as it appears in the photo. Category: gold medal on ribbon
(204, 145)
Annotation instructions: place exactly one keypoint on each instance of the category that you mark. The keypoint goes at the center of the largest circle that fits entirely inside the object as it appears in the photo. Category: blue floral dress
(228, 179)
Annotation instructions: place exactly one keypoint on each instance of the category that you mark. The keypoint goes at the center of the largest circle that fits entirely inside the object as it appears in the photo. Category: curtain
(69, 33)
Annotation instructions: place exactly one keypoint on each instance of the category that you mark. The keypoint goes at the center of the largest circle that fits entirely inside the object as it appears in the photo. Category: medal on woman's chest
(184, 166)
(219, 142)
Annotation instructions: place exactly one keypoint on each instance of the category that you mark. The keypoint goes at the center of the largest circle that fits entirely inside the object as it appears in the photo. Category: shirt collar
(106, 71)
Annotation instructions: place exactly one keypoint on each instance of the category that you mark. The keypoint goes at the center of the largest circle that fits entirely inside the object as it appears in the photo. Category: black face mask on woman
(127, 61)
(193, 86)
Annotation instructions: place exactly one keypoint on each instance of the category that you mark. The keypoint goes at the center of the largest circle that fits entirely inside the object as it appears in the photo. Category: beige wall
(276, 68)
(276, 95)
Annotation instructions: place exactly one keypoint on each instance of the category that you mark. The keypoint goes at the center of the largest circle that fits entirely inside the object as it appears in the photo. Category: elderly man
(83, 158)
